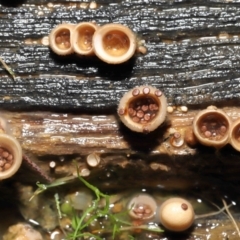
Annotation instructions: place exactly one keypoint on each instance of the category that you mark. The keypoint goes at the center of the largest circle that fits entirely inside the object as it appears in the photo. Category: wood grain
(193, 54)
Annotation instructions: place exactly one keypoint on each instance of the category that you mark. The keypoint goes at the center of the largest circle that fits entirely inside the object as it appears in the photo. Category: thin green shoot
(57, 201)
(95, 211)
(43, 187)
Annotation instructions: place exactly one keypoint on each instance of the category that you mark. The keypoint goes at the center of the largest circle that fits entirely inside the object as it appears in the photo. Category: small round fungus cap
(142, 206)
(143, 109)
(114, 43)
(235, 134)
(211, 127)
(10, 156)
(176, 214)
(60, 39)
(82, 38)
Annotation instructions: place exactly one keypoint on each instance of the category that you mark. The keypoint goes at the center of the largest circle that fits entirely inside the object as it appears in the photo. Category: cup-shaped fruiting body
(10, 156)
(176, 214)
(143, 109)
(82, 38)
(142, 206)
(60, 39)
(211, 127)
(234, 134)
(177, 140)
(114, 43)
(93, 159)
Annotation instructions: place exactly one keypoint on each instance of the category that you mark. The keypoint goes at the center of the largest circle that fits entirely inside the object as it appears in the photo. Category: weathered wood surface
(131, 158)
(193, 54)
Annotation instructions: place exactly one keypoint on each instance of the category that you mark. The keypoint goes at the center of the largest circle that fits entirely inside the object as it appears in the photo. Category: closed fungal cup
(10, 156)
(82, 38)
(114, 43)
(211, 127)
(142, 206)
(60, 39)
(143, 109)
(176, 214)
(235, 134)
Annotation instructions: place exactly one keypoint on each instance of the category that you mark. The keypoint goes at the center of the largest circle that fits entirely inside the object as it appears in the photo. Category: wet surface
(193, 54)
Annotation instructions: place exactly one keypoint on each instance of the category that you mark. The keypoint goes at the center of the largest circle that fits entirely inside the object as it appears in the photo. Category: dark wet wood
(193, 54)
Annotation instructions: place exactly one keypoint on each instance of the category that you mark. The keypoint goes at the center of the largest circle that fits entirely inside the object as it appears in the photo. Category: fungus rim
(233, 141)
(205, 141)
(14, 147)
(98, 48)
(155, 122)
(142, 198)
(172, 221)
(52, 36)
(75, 37)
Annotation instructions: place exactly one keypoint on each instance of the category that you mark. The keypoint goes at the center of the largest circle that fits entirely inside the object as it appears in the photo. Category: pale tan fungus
(211, 127)
(10, 156)
(93, 159)
(234, 135)
(82, 38)
(60, 39)
(143, 109)
(114, 43)
(142, 206)
(176, 214)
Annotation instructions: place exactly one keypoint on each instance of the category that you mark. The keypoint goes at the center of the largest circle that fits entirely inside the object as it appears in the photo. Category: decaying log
(63, 138)
(193, 54)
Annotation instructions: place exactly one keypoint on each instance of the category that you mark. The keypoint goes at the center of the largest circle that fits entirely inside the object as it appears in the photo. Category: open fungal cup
(10, 156)
(60, 39)
(114, 43)
(142, 206)
(143, 109)
(82, 38)
(176, 214)
(211, 127)
(235, 134)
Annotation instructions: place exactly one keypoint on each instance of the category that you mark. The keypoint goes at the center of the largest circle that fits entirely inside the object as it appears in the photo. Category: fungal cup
(176, 214)
(142, 206)
(114, 43)
(143, 109)
(10, 156)
(82, 38)
(211, 127)
(60, 39)
(235, 135)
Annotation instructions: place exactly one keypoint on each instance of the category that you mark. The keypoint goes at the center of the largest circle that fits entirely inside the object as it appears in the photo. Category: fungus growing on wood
(114, 43)
(60, 39)
(142, 206)
(211, 127)
(177, 140)
(10, 156)
(176, 214)
(235, 134)
(143, 109)
(82, 38)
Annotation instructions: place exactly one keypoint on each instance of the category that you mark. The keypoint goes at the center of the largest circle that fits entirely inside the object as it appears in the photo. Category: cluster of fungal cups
(143, 109)
(175, 214)
(213, 127)
(112, 43)
(10, 153)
